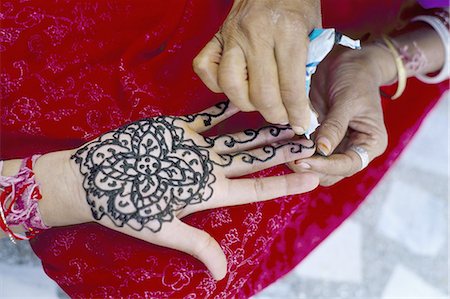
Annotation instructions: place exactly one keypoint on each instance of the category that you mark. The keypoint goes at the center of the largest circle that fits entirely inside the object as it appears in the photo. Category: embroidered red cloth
(73, 70)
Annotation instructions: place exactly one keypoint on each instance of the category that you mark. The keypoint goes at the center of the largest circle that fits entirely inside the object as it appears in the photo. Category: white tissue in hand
(314, 123)
(321, 43)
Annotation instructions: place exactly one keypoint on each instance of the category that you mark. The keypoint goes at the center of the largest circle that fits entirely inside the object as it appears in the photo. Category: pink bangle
(19, 201)
(440, 25)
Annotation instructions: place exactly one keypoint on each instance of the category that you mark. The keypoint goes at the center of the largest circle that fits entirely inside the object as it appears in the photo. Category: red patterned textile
(72, 70)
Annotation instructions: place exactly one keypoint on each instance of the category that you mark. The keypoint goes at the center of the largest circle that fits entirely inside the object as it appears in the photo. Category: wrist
(61, 203)
(381, 63)
(11, 167)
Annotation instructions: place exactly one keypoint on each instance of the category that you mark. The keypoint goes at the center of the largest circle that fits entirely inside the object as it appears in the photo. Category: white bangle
(444, 34)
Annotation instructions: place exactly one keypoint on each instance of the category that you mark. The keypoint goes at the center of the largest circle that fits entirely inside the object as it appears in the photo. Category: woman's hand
(258, 58)
(142, 178)
(345, 92)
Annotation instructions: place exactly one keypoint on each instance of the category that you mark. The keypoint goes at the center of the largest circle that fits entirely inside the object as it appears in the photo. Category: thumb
(206, 63)
(197, 243)
(333, 129)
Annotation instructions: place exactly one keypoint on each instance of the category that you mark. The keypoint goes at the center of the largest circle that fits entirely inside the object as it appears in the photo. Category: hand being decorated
(142, 178)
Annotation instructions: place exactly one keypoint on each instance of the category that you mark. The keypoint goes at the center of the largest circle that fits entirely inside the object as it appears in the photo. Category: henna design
(413, 58)
(207, 116)
(230, 141)
(270, 150)
(139, 174)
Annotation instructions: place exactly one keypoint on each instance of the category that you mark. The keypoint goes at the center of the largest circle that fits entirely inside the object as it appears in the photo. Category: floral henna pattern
(141, 173)
(207, 116)
(250, 135)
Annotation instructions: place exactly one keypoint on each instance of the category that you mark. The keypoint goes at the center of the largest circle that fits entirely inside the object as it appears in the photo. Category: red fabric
(73, 70)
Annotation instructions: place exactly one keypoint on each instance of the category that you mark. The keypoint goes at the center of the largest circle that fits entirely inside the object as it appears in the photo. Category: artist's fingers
(264, 87)
(180, 236)
(248, 139)
(333, 128)
(206, 63)
(291, 53)
(246, 162)
(210, 117)
(373, 142)
(345, 164)
(244, 191)
(232, 78)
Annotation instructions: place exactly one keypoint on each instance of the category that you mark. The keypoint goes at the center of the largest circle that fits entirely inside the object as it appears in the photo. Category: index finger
(291, 56)
(264, 86)
(206, 64)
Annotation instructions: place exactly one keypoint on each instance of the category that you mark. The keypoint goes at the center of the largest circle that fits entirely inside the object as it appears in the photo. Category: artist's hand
(258, 58)
(142, 178)
(345, 92)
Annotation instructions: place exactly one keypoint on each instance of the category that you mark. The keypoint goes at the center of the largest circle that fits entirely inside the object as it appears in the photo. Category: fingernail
(302, 164)
(298, 130)
(284, 123)
(323, 146)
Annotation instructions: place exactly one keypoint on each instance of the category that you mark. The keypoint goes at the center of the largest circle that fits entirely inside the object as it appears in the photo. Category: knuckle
(255, 19)
(203, 243)
(292, 166)
(335, 128)
(230, 89)
(258, 187)
(354, 166)
(246, 107)
(299, 119)
(294, 27)
(267, 105)
(199, 65)
(292, 21)
(274, 117)
(264, 102)
(284, 152)
(235, 145)
(229, 85)
(377, 141)
(290, 95)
